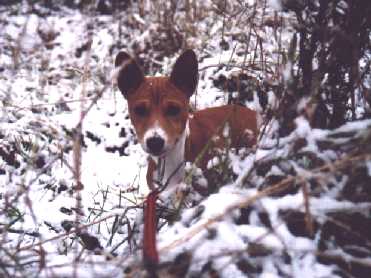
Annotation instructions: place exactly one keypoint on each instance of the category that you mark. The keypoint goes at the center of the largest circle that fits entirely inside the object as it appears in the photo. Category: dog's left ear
(130, 75)
(185, 72)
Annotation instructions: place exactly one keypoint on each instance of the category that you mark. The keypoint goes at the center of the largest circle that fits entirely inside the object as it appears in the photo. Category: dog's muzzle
(155, 145)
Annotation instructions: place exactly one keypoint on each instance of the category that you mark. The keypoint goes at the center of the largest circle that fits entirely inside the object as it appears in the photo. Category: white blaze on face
(173, 163)
(155, 131)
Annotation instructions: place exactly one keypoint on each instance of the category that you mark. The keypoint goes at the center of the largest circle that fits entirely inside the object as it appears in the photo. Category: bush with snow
(72, 176)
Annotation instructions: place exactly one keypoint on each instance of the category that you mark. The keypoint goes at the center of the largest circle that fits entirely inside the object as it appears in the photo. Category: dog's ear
(185, 72)
(130, 75)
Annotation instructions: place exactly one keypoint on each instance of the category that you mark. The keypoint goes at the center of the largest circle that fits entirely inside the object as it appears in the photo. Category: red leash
(150, 254)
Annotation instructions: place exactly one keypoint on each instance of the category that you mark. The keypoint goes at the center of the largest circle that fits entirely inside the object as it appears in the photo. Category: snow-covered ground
(57, 65)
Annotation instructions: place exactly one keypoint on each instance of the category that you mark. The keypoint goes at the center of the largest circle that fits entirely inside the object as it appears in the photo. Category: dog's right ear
(130, 75)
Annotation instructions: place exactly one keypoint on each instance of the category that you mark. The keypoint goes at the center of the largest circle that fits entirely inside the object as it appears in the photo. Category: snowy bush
(72, 175)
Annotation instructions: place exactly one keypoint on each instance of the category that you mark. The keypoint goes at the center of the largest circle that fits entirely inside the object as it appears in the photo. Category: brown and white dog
(170, 134)
(167, 131)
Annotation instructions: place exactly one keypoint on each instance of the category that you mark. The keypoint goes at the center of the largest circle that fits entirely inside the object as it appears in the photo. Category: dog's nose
(155, 144)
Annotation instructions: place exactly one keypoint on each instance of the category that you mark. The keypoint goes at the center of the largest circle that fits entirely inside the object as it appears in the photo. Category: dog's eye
(141, 110)
(173, 110)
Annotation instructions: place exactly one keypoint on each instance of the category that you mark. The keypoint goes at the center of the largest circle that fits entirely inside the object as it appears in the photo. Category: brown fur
(209, 123)
(156, 95)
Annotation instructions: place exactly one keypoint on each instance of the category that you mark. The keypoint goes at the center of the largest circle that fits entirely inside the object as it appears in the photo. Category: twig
(308, 215)
(72, 231)
(18, 231)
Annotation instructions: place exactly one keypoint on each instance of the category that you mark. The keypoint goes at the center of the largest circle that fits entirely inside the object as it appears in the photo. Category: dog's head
(158, 106)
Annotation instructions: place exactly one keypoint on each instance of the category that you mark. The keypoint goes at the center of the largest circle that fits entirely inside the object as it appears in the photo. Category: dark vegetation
(316, 132)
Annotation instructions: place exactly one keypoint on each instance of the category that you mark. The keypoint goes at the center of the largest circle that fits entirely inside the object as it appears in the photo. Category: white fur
(154, 131)
(172, 165)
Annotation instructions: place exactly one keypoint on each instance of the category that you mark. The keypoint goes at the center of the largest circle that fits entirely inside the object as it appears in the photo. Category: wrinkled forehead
(156, 90)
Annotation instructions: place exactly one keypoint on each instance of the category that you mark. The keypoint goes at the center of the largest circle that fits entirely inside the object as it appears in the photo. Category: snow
(40, 107)
(275, 4)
